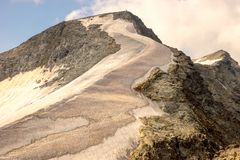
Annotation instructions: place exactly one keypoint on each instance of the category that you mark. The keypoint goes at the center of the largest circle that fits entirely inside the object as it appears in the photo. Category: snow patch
(23, 90)
(206, 61)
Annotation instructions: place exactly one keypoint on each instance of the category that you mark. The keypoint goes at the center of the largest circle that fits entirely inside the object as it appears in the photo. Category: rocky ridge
(200, 122)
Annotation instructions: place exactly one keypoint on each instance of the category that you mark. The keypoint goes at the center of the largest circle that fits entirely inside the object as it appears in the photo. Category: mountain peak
(138, 24)
(220, 56)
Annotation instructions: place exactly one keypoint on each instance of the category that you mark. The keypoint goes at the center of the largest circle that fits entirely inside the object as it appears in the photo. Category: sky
(198, 27)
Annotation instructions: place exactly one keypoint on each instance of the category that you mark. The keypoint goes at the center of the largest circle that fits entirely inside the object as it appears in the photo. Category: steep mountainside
(106, 88)
(95, 108)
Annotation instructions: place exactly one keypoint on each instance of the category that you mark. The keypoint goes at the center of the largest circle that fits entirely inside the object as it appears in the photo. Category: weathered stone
(201, 121)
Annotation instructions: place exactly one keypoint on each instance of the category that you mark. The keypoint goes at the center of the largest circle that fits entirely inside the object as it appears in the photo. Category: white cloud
(196, 26)
(75, 14)
(37, 2)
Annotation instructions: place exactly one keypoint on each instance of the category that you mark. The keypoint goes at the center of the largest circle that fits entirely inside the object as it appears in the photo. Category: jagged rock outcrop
(199, 122)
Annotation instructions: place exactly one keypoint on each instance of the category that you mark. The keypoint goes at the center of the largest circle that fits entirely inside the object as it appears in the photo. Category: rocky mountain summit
(105, 87)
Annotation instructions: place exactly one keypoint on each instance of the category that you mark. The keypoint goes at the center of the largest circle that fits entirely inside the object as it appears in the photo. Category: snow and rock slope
(95, 110)
(106, 88)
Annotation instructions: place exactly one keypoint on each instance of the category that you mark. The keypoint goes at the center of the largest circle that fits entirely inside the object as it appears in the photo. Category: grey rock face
(68, 44)
(223, 79)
